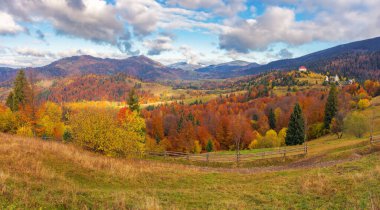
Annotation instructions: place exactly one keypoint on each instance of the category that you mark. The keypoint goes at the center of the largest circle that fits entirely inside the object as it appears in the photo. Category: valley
(100, 133)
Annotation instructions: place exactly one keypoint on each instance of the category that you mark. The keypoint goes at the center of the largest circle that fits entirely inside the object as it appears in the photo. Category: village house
(302, 69)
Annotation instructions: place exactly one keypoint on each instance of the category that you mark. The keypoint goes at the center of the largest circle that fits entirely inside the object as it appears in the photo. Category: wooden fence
(374, 139)
(225, 158)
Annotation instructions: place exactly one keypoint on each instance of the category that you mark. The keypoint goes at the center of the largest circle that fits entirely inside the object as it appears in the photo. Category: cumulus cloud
(192, 57)
(219, 7)
(31, 57)
(332, 21)
(159, 45)
(88, 19)
(285, 54)
(8, 25)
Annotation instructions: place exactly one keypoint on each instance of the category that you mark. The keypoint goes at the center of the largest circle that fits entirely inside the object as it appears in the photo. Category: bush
(363, 104)
(49, 122)
(8, 120)
(25, 131)
(102, 131)
(315, 131)
(356, 124)
(67, 136)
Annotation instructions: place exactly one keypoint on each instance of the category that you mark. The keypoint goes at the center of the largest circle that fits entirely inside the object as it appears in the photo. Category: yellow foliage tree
(100, 130)
(25, 131)
(282, 136)
(8, 120)
(255, 142)
(363, 104)
(197, 147)
(270, 139)
(49, 121)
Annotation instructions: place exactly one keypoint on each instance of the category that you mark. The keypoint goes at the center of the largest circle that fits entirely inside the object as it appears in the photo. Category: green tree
(18, 97)
(9, 101)
(296, 129)
(356, 124)
(331, 107)
(272, 119)
(337, 124)
(209, 146)
(133, 100)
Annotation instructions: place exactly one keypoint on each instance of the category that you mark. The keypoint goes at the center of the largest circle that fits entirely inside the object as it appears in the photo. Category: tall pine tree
(296, 129)
(18, 97)
(272, 119)
(133, 101)
(331, 107)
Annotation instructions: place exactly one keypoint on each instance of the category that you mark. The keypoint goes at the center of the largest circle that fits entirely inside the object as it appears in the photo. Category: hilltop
(357, 59)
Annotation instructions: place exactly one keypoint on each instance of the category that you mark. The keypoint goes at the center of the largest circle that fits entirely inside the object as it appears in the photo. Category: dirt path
(308, 163)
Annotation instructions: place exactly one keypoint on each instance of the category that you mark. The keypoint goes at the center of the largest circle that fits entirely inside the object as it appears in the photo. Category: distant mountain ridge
(226, 70)
(138, 66)
(359, 60)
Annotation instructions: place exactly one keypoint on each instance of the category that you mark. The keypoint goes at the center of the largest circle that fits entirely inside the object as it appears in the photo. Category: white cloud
(219, 7)
(8, 25)
(159, 45)
(336, 22)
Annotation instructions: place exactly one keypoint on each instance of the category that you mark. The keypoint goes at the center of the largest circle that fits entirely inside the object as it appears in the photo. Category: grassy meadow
(36, 173)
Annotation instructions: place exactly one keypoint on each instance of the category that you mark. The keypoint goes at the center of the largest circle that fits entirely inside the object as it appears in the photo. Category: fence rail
(374, 139)
(216, 157)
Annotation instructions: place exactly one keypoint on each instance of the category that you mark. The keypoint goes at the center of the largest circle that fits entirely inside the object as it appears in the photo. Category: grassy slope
(36, 174)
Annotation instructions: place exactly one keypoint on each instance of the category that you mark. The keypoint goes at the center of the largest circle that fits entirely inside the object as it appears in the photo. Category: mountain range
(357, 59)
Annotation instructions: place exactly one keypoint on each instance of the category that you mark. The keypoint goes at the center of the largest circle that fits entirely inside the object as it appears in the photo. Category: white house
(302, 69)
(336, 78)
(327, 79)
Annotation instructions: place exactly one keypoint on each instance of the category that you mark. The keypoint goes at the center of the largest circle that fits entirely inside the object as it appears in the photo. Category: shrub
(67, 136)
(8, 120)
(315, 131)
(363, 104)
(100, 130)
(356, 124)
(49, 122)
(25, 131)
(197, 147)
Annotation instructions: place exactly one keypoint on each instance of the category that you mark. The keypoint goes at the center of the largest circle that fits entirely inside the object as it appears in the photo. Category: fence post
(207, 157)
(188, 156)
(284, 153)
(165, 154)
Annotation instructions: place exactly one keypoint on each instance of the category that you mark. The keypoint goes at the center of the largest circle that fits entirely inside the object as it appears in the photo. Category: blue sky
(35, 33)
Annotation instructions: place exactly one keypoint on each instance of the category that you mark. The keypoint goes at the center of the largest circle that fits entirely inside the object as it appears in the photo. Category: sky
(35, 33)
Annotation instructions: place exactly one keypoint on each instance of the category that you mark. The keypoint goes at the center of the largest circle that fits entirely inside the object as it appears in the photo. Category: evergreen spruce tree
(133, 101)
(296, 129)
(18, 97)
(9, 102)
(272, 119)
(331, 107)
(209, 146)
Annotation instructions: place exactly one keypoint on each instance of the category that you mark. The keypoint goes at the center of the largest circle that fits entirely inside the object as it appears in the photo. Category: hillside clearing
(34, 174)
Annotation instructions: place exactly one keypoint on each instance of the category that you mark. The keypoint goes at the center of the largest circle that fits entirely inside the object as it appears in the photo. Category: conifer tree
(331, 107)
(9, 101)
(209, 146)
(133, 101)
(272, 119)
(296, 129)
(18, 97)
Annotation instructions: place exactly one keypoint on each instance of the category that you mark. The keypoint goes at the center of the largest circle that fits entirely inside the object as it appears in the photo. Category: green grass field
(51, 175)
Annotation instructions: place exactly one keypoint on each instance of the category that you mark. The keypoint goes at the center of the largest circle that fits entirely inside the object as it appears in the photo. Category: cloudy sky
(36, 32)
